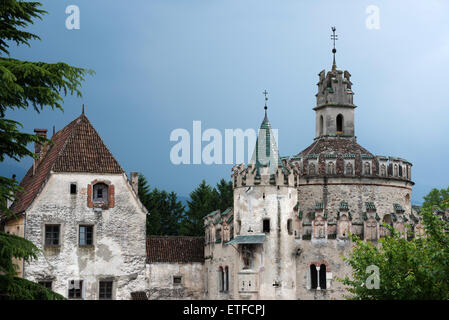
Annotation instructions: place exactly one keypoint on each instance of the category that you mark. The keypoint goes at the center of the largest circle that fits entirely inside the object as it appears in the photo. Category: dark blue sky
(162, 64)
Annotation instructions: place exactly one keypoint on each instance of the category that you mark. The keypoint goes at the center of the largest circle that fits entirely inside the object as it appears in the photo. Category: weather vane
(266, 99)
(334, 37)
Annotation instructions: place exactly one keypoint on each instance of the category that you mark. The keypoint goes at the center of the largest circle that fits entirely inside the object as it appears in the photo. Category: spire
(334, 37)
(266, 153)
(265, 93)
(83, 110)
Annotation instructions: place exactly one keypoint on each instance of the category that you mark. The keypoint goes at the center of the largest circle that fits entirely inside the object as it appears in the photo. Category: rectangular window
(75, 289)
(266, 225)
(46, 284)
(289, 226)
(52, 235)
(73, 188)
(86, 235)
(105, 290)
(177, 280)
(218, 235)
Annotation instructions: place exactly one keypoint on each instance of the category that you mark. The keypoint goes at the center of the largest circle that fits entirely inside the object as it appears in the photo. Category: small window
(221, 279)
(73, 188)
(52, 235)
(218, 235)
(226, 279)
(46, 284)
(86, 235)
(339, 124)
(313, 277)
(100, 192)
(75, 289)
(289, 226)
(105, 290)
(323, 276)
(177, 280)
(266, 225)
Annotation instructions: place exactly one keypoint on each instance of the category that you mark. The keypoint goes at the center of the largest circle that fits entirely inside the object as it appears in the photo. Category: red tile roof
(77, 148)
(176, 249)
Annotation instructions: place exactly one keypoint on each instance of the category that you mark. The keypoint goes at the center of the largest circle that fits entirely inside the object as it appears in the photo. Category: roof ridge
(66, 139)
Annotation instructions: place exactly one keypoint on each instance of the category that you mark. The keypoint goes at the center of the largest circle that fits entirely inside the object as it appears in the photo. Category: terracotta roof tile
(77, 148)
(176, 249)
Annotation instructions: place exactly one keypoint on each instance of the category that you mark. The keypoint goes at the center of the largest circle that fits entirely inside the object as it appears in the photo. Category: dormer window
(100, 193)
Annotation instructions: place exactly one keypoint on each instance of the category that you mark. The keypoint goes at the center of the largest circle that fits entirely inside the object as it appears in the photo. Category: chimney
(39, 133)
(135, 182)
(38, 147)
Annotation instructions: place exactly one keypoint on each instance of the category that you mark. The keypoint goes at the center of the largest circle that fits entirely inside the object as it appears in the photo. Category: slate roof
(77, 148)
(175, 249)
(344, 146)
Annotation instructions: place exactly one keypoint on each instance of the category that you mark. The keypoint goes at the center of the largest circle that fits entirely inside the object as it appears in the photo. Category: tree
(224, 193)
(202, 201)
(411, 269)
(164, 209)
(24, 84)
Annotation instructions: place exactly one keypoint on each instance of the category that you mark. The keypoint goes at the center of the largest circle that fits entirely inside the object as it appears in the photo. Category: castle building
(284, 237)
(290, 224)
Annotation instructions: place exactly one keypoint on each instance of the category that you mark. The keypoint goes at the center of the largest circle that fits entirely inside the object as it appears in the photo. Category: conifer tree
(24, 85)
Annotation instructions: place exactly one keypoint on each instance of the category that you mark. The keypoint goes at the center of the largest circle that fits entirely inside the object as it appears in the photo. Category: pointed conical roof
(76, 148)
(266, 152)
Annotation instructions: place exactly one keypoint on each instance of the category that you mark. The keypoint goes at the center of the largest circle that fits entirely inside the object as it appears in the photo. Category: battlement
(352, 165)
(334, 89)
(286, 174)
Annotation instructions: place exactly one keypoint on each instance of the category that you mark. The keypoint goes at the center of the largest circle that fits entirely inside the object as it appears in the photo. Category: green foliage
(204, 200)
(415, 269)
(437, 198)
(164, 209)
(167, 215)
(24, 84)
(13, 288)
(12, 246)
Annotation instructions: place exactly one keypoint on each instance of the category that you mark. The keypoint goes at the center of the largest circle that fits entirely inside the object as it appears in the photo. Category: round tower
(264, 198)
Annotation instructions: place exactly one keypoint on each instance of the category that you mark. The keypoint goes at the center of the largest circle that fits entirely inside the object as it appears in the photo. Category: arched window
(313, 277)
(221, 279)
(100, 193)
(395, 172)
(226, 280)
(339, 123)
(367, 168)
(383, 171)
(321, 125)
(323, 276)
(311, 169)
(349, 170)
(330, 168)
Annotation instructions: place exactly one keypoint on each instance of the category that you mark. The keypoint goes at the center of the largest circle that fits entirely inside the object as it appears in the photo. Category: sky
(162, 64)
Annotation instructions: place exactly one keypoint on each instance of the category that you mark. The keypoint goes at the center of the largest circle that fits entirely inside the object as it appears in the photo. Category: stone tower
(264, 197)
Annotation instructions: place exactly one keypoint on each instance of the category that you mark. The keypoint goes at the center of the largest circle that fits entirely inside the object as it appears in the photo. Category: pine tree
(202, 201)
(164, 209)
(24, 84)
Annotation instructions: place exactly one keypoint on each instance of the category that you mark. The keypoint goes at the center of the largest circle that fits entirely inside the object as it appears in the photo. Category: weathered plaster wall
(16, 226)
(118, 251)
(162, 286)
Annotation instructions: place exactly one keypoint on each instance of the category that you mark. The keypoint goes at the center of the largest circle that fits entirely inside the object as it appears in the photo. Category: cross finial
(334, 37)
(265, 93)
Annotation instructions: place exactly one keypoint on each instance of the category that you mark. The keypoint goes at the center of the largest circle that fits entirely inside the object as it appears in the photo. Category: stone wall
(162, 286)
